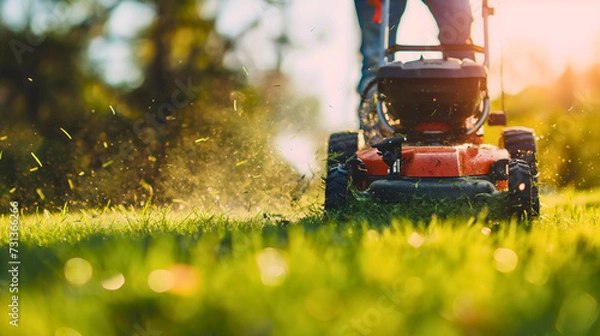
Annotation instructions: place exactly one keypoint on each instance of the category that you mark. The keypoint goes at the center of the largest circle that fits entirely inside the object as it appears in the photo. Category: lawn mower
(434, 111)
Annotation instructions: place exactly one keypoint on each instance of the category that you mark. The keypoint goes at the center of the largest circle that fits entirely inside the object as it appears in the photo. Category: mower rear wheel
(372, 126)
(518, 141)
(523, 201)
(341, 147)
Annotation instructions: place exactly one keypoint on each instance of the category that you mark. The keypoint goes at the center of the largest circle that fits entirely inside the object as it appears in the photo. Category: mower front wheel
(336, 188)
(522, 192)
(342, 147)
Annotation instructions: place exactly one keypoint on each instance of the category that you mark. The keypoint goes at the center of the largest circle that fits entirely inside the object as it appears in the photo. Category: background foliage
(564, 115)
(187, 127)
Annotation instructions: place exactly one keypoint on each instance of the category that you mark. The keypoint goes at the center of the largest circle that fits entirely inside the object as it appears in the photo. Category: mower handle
(445, 48)
(486, 12)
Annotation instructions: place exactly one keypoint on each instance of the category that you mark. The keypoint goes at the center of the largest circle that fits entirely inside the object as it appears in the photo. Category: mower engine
(431, 101)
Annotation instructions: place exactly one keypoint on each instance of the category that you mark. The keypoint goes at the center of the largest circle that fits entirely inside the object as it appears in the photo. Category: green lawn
(383, 272)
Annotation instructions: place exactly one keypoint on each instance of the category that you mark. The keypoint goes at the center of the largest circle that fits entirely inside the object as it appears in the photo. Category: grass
(378, 271)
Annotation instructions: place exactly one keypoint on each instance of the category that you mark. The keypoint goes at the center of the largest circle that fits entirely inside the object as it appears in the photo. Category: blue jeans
(370, 47)
(453, 18)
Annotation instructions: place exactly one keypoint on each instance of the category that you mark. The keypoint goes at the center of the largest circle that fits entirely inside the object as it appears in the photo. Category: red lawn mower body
(434, 111)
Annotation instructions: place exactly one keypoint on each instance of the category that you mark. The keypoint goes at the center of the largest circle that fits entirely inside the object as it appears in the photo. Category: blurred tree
(42, 84)
(564, 115)
(101, 140)
(46, 87)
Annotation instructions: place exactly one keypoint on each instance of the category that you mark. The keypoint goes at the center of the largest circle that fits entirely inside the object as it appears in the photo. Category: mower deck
(395, 171)
(437, 161)
(403, 189)
(435, 172)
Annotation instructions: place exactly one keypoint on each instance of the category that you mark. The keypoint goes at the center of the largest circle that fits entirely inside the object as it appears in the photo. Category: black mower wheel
(520, 143)
(523, 201)
(336, 188)
(342, 147)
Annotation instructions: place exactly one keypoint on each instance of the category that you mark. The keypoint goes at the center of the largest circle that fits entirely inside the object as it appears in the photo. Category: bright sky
(541, 37)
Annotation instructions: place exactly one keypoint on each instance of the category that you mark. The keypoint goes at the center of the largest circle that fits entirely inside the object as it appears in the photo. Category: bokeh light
(113, 283)
(577, 314)
(78, 271)
(505, 260)
(160, 280)
(273, 266)
(186, 279)
(416, 240)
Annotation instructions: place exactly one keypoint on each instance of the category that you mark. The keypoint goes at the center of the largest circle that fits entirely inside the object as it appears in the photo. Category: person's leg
(454, 20)
(370, 50)
(370, 47)
(397, 8)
